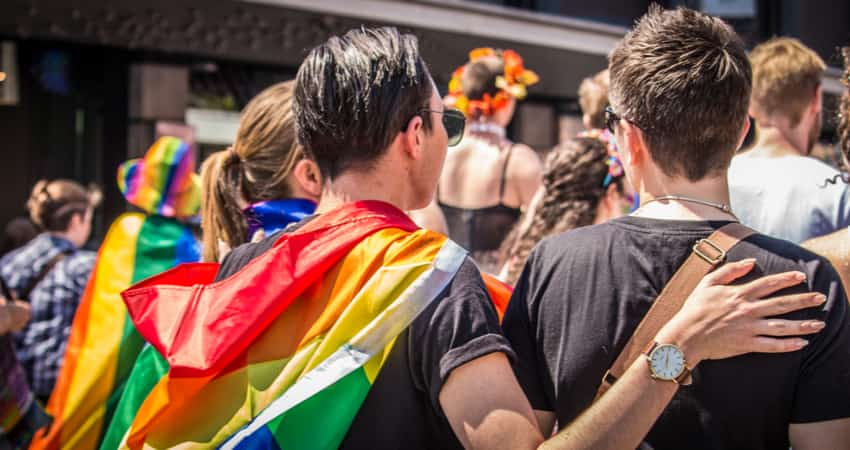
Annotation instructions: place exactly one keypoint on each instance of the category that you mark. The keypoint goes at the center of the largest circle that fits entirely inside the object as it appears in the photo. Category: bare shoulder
(431, 217)
(829, 243)
(524, 162)
(836, 248)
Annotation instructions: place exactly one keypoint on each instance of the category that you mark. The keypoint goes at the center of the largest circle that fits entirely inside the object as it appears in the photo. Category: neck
(710, 189)
(65, 235)
(487, 128)
(775, 142)
(352, 186)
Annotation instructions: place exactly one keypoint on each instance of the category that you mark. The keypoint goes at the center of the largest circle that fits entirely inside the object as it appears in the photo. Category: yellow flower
(528, 77)
(462, 103)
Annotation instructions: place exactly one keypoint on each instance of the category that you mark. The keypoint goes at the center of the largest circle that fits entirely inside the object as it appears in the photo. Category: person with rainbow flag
(164, 192)
(353, 328)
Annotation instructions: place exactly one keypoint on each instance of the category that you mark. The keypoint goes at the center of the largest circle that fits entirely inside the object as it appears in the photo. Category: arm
(19, 313)
(14, 315)
(463, 363)
(622, 417)
(5, 317)
(832, 247)
(489, 411)
(716, 322)
(820, 417)
(486, 408)
(817, 435)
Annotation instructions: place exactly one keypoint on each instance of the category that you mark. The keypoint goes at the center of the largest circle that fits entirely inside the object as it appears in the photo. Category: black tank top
(481, 229)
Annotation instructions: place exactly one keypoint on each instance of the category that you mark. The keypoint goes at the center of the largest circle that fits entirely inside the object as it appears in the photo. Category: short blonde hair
(786, 75)
(593, 98)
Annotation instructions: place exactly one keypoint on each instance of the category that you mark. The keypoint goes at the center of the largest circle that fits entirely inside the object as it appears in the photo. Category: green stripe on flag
(156, 249)
(296, 428)
(149, 369)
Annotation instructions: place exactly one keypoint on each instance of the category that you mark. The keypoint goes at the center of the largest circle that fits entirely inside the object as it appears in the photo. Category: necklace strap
(679, 198)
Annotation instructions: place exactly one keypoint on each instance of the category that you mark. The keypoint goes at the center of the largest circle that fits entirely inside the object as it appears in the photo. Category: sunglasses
(454, 122)
(611, 119)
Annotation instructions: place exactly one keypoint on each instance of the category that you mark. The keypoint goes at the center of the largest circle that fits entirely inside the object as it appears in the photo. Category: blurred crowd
(383, 267)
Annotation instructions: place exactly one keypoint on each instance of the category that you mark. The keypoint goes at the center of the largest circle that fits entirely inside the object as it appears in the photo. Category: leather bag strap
(707, 254)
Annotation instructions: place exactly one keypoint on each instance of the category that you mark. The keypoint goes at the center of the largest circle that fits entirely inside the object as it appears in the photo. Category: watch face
(667, 362)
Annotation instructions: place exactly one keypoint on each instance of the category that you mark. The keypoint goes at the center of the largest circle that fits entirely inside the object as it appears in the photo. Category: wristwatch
(667, 363)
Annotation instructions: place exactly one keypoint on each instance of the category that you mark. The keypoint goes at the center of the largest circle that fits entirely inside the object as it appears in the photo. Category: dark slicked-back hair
(684, 79)
(355, 93)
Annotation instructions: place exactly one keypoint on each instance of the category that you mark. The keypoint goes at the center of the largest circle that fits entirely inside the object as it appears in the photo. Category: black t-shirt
(583, 293)
(402, 409)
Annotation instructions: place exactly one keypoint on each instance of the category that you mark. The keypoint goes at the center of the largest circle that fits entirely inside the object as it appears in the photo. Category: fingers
(769, 284)
(781, 327)
(730, 272)
(787, 303)
(763, 344)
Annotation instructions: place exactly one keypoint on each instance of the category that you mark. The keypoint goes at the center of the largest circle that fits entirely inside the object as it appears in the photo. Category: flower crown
(512, 83)
(615, 166)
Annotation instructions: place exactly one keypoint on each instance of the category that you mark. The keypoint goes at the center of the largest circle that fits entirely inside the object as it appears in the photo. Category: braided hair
(843, 126)
(572, 190)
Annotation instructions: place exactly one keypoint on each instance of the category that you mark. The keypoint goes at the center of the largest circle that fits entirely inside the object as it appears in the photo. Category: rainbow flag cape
(250, 359)
(104, 343)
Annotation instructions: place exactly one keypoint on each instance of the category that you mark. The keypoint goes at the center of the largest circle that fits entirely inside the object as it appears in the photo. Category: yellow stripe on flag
(95, 369)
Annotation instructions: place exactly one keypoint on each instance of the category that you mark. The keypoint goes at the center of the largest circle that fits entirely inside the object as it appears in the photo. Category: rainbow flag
(104, 343)
(325, 307)
(164, 181)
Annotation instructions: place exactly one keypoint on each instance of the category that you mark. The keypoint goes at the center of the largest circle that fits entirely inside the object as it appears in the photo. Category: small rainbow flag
(326, 305)
(104, 343)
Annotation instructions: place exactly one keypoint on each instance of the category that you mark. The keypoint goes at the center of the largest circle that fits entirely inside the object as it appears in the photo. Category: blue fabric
(187, 248)
(274, 215)
(262, 439)
(54, 300)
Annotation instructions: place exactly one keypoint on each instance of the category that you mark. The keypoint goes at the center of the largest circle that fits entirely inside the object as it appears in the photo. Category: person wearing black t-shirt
(368, 113)
(680, 85)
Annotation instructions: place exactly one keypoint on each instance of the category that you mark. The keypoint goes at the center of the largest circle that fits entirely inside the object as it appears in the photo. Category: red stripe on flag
(201, 328)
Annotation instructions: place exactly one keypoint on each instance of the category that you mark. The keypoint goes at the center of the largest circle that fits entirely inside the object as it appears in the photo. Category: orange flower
(479, 53)
(512, 84)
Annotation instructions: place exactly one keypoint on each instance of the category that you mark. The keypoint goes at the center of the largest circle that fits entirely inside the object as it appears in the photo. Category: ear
(77, 220)
(608, 199)
(636, 149)
(817, 101)
(308, 178)
(751, 110)
(413, 138)
(743, 134)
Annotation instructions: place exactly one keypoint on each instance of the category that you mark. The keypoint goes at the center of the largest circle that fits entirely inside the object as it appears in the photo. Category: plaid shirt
(54, 300)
